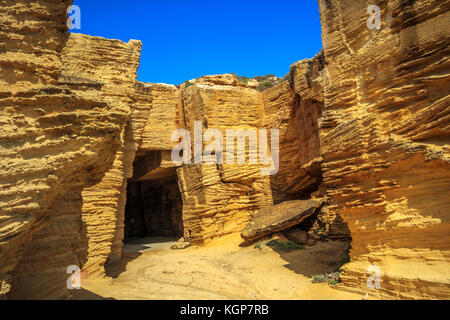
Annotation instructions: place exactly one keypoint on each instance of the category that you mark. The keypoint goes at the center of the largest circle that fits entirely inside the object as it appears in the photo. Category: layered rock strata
(364, 124)
(384, 142)
(111, 67)
(60, 133)
(219, 198)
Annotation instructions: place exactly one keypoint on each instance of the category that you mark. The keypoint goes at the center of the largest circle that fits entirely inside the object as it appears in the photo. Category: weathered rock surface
(155, 112)
(279, 217)
(112, 65)
(296, 117)
(59, 134)
(384, 142)
(219, 199)
(153, 187)
(216, 200)
(296, 235)
(31, 167)
(365, 124)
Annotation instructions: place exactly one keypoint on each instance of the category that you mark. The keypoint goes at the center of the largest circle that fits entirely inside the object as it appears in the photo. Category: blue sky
(185, 39)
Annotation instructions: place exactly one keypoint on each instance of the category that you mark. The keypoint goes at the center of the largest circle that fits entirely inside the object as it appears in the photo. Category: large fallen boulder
(280, 217)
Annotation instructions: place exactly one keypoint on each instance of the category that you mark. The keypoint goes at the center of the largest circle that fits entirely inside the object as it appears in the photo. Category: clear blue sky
(185, 39)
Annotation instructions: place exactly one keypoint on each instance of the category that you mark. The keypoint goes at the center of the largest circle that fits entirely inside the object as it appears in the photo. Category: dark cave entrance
(154, 205)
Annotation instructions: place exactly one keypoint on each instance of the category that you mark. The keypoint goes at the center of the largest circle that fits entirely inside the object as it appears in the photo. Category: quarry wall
(364, 125)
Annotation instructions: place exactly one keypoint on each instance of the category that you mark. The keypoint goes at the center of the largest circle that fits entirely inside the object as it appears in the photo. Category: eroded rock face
(111, 66)
(144, 156)
(280, 217)
(219, 199)
(59, 134)
(29, 73)
(384, 141)
(366, 122)
(305, 122)
(297, 119)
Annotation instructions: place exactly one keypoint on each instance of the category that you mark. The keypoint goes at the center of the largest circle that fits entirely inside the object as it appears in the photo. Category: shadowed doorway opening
(154, 205)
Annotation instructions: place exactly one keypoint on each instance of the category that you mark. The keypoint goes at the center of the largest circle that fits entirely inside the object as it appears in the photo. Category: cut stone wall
(60, 134)
(384, 142)
(364, 124)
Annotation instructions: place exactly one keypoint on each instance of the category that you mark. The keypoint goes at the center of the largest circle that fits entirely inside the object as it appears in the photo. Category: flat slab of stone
(280, 217)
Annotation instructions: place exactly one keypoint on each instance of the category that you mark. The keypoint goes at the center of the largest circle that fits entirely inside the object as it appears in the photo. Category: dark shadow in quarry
(113, 270)
(329, 252)
(153, 210)
(154, 206)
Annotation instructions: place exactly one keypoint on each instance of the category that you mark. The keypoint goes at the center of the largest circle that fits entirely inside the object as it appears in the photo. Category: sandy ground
(223, 269)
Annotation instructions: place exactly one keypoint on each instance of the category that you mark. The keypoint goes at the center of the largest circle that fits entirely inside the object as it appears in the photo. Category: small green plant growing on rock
(286, 246)
(331, 278)
(265, 85)
(332, 282)
(187, 84)
(259, 245)
(318, 278)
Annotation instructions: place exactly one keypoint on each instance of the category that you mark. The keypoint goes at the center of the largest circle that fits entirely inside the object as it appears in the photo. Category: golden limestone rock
(37, 154)
(307, 81)
(213, 199)
(60, 133)
(90, 156)
(104, 203)
(219, 198)
(384, 142)
(299, 163)
(152, 186)
(112, 65)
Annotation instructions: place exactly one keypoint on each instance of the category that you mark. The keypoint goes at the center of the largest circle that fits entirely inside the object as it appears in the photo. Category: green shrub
(272, 243)
(332, 282)
(286, 246)
(265, 85)
(187, 84)
(318, 278)
(331, 278)
(259, 245)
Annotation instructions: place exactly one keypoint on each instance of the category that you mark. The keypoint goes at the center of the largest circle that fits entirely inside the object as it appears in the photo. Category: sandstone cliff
(111, 66)
(384, 142)
(215, 199)
(220, 198)
(85, 150)
(60, 133)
